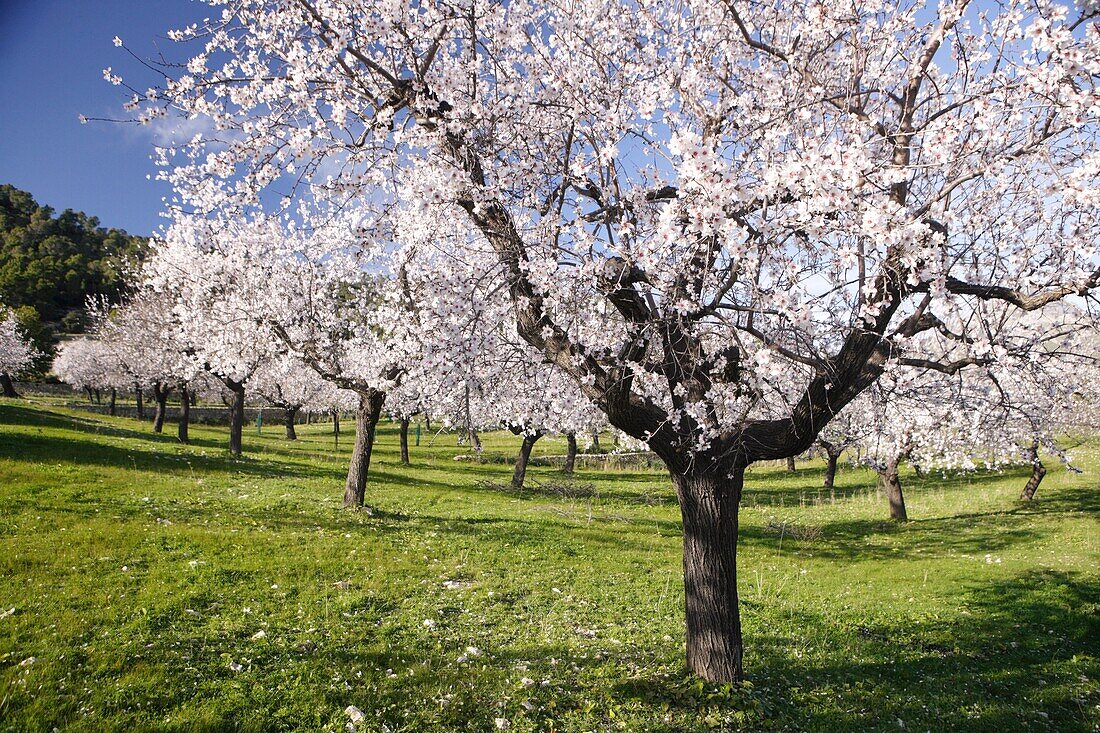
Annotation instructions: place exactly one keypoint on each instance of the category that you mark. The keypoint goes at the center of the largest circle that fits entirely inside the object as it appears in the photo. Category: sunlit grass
(141, 573)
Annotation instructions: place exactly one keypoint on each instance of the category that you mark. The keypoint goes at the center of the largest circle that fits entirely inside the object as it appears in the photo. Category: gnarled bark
(160, 395)
(709, 501)
(520, 472)
(290, 414)
(832, 457)
(185, 415)
(1038, 471)
(366, 422)
(405, 441)
(236, 415)
(570, 454)
(891, 482)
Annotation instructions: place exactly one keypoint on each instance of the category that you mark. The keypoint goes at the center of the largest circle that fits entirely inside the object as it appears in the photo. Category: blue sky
(52, 56)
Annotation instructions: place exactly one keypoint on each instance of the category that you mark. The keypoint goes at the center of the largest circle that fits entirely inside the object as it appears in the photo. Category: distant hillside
(50, 263)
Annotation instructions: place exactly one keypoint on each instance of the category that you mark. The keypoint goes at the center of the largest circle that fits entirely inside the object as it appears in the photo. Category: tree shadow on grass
(79, 450)
(873, 539)
(1019, 657)
(39, 416)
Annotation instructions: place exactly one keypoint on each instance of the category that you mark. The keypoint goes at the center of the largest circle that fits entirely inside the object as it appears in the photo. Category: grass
(141, 573)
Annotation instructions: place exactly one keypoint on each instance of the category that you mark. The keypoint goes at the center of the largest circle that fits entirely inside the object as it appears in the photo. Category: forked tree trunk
(520, 472)
(140, 403)
(236, 415)
(91, 396)
(891, 481)
(570, 454)
(790, 464)
(160, 394)
(290, 414)
(7, 385)
(1038, 471)
(112, 409)
(98, 396)
(366, 421)
(708, 504)
(185, 414)
(405, 441)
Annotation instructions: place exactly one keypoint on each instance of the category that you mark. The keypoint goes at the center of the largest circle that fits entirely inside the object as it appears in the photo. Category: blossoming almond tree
(16, 352)
(1030, 381)
(145, 336)
(1050, 400)
(86, 363)
(229, 343)
(685, 198)
(473, 366)
(289, 384)
(324, 295)
(931, 420)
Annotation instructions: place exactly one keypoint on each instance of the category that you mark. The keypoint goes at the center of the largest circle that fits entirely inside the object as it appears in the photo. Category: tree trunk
(335, 422)
(475, 441)
(366, 421)
(790, 464)
(290, 415)
(140, 404)
(522, 459)
(427, 422)
(98, 396)
(595, 447)
(236, 415)
(7, 385)
(830, 470)
(708, 504)
(892, 482)
(1038, 470)
(570, 454)
(185, 414)
(112, 410)
(405, 441)
(160, 394)
(832, 456)
(88, 391)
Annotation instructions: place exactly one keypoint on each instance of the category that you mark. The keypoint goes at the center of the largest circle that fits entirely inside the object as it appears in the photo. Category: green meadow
(148, 585)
